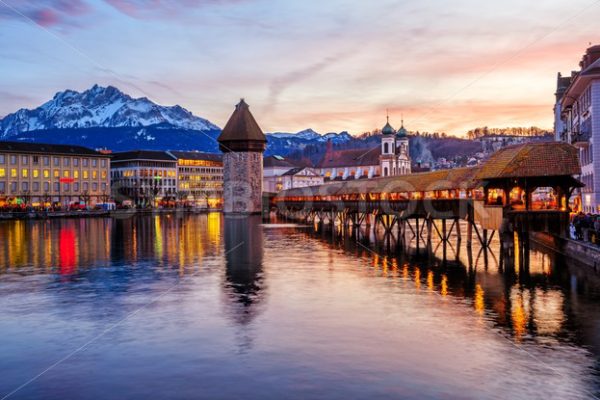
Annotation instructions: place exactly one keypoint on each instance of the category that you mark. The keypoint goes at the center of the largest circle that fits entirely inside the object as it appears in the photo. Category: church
(395, 157)
(389, 158)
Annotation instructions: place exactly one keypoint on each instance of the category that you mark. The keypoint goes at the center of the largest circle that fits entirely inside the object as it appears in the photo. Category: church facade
(395, 158)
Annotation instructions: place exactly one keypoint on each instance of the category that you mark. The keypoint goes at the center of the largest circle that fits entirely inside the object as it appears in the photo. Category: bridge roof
(532, 160)
(458, 178)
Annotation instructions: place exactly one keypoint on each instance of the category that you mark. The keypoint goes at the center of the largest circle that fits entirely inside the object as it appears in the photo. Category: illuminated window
(85, 174)
(66, 173)
(36, 173)
(56, 173)
(103, 174)
(75, 174)
(13, 173)
(2, 173)
(94, 174)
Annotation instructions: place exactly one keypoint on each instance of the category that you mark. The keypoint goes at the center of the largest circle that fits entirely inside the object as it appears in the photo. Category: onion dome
(242, 133)
(387, 129)
(402, 132)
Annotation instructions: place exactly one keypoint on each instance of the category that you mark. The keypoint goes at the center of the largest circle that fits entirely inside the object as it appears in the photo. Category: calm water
(200, 307)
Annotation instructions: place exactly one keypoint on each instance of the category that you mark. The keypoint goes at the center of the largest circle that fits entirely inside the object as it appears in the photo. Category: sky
(329, 65)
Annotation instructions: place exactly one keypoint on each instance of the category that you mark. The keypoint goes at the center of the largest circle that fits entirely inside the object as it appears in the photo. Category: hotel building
(577, 121)
(39, 174)
(199, 178)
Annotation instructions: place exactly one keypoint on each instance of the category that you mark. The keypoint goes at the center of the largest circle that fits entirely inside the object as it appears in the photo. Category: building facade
(199, 178)
(579, 107)
(43, 175)
(243, 144)
(143, 178)
(395, 157)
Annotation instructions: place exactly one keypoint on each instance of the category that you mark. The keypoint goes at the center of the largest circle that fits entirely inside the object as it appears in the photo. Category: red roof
(351, 158)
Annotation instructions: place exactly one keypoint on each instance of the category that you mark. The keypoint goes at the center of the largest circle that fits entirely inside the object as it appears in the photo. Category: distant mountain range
(105, 117)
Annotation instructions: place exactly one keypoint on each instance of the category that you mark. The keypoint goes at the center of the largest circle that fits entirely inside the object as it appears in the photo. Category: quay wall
(584, 253)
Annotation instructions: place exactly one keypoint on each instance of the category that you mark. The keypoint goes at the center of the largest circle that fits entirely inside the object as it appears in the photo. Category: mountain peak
(99, 106)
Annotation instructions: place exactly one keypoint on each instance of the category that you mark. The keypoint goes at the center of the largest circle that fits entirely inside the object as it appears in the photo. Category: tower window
(386, 148)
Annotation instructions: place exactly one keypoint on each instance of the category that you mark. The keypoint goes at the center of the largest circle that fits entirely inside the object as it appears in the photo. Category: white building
(279, 174)
(395, 158)
(579, 107)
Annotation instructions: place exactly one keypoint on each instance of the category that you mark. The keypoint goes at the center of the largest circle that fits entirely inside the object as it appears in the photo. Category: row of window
(145, 181)
(56, 161)
(45, 187)
(36, 173)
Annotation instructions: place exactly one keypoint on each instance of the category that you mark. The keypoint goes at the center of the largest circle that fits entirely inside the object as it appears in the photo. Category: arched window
(385, 148)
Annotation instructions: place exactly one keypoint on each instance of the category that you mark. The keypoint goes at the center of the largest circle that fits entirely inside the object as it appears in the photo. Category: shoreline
(11, 216)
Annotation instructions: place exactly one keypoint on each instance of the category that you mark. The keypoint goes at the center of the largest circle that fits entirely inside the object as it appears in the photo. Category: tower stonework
(243, 143)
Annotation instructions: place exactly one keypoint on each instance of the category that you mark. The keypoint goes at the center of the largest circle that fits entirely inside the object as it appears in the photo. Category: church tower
(387, 159)
(243, 143)
(402, 151)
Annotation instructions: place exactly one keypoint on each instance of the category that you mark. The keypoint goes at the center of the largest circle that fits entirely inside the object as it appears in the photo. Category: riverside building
(577, 121)
(41, 175)
(199, 178)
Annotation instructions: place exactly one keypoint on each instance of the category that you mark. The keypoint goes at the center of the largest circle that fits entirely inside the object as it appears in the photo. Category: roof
(197, 155)
(297, 170)
(532, 160)
(387, 129)
(276, 161)
(402, 132)
(351, 158)
(44, 148)
(458, 178)
(242, 126)
(154, 155)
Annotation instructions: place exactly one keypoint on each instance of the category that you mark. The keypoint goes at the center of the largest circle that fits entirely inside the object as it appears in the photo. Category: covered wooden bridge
(518, 189)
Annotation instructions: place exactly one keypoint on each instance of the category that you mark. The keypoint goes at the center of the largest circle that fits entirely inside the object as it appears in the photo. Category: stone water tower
(243, 143)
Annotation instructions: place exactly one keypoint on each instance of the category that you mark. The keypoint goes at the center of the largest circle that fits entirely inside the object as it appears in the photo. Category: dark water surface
(199, 307)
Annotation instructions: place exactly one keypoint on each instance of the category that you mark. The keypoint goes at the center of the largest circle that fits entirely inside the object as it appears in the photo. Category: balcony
(580, 139)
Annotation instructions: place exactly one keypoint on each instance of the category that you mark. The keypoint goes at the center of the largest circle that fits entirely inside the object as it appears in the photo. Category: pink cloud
(46, 13)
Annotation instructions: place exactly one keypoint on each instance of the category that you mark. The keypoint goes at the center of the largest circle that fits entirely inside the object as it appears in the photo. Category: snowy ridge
(311, 135)
(99, 107)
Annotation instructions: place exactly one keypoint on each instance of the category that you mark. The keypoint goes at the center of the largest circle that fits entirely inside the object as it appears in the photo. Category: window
(85, 186)
(94, 163)
(104, 187)
(76, 162)
(56, 186)
(85, 162)
(24, 173)
(46, 186)
(36, 159)
(46, 161)
(2, 187)
(13, 173)
(2, 173)
(94, 187)
(66, 187)
(36, 186)
(56, 161)
(24, 186)
(85, 175)
(103, 163)
(36, 173)
(56, 173)
(103, 173)
(13, 160)
(46, 173)
(66, 173)
(66, 162)
(13, 187)
(24, 160)
(94, 174)
(2, 159)
(76, 187)
(76, 174)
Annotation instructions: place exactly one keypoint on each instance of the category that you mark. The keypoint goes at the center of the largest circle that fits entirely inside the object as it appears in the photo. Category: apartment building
(39, 174)
(199, 178)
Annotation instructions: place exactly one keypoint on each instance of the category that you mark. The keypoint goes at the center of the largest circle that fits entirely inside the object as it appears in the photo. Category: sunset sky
(330, 65)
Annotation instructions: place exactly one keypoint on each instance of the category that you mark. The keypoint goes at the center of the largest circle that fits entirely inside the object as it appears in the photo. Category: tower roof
(387, 129)
(402, 132)
(241, 131)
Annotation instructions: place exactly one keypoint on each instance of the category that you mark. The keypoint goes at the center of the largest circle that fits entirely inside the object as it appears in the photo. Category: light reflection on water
(202, 307)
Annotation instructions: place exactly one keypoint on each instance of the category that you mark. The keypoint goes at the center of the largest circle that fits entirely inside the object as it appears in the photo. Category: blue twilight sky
(330, 65)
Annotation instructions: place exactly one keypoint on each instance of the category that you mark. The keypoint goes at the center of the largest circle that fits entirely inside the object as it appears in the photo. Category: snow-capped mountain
(105, 107)
(311, 135)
